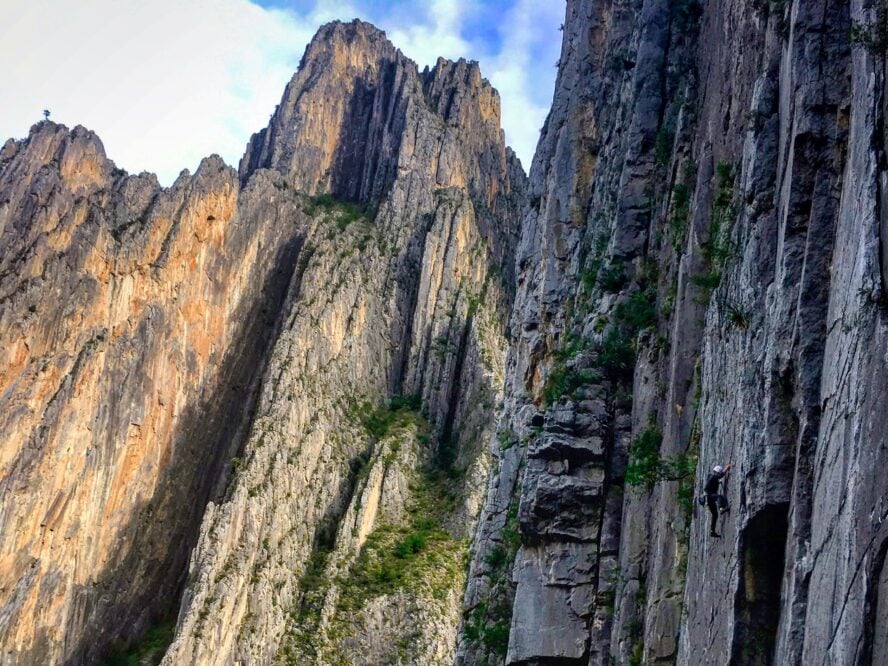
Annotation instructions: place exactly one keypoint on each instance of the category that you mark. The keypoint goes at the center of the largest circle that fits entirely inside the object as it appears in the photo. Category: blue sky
(167, 82)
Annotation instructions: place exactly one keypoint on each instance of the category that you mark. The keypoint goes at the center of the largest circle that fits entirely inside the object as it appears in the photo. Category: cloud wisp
(168, 82)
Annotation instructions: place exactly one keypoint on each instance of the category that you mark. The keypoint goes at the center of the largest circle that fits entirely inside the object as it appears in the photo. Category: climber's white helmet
(718, 469)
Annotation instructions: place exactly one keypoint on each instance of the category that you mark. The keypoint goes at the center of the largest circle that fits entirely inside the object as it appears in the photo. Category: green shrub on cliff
(149, 650)
(565, 381)
(418, 555)
(379, 420)
(873, 35)
(345, 212)
(647, 467)
(719, 247)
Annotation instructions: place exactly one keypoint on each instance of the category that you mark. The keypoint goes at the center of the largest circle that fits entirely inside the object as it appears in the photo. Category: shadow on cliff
(363, 167)
(457, 393)
(758, 601)
(212, 430)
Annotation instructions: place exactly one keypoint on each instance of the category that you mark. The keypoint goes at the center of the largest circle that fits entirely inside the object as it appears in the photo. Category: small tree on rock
(45, 114)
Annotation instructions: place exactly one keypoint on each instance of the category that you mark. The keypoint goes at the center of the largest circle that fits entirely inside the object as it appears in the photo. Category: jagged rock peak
(115, 291)
(77, 153)
(350, 115)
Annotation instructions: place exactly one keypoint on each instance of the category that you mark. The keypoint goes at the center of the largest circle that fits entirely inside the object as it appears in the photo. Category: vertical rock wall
(365, 250)
(134, 320)
(313, 349)
(407, 298)
(698, 282)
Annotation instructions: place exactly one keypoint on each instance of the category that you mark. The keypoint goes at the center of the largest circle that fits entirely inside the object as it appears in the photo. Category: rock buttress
(397, 319)
(134, 319)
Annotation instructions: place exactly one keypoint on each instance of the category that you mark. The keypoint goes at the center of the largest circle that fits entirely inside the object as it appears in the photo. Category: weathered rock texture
(229, 338)
(133, 320)
(701, 278)
(408, 301)
(300, 369)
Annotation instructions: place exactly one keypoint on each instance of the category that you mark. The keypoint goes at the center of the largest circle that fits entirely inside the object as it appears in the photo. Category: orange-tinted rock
(132, 331)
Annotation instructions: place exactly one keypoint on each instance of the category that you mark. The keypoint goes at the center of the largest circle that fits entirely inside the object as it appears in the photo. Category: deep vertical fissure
(407, 280)
(762, 557)
(875, 624)
(215, 430)
(453, 397)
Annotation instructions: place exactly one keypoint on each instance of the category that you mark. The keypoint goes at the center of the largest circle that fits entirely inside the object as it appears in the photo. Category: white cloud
(439, 37)
(164, 83)
(522, 68)
(167, 82)
(524, 71)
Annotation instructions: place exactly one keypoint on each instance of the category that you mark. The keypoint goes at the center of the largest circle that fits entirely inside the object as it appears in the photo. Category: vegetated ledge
(408, 562)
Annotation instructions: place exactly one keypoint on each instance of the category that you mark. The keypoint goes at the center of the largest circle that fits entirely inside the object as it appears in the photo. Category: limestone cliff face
(377, 398)
(133, 319)
(407, 298)
(700, 280)
(237, 339)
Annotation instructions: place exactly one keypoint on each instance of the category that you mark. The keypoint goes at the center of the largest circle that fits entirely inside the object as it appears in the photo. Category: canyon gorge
(378, 396)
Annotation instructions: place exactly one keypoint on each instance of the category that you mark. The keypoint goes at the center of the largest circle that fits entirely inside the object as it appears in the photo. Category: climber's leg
(712, 503)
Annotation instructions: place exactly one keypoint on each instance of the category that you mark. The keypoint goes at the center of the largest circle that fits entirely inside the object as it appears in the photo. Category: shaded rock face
(231, 340)
(699, 281)
(324, 404)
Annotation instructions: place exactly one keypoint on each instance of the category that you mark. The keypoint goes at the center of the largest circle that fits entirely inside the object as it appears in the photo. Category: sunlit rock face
(408, 298)
(225, 340)
(134, 321)
(375, 397)
(700, 281)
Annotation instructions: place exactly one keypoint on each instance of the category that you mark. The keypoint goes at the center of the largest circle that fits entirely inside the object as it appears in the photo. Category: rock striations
(407, 299)
(134, 323)
(378, 398)
(700, 280)
(243, 339)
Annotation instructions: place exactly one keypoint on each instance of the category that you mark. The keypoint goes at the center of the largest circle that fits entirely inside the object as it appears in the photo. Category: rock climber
(716, 502)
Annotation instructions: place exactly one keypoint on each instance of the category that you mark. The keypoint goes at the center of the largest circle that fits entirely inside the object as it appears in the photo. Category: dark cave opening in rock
(762, 552)
(875, 637)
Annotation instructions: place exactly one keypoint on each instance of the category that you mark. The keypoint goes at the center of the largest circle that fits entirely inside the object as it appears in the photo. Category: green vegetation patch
(488, 624)
(399, 411)
(677, 223)
(613, 277)
(637, 312)
(872, 35)
(150, 650)
(420, 557)
(616, 350)
(345, 212)
(718, 248)
(564, 381)
(633, 315)
(646, 466)
(490, 627)
(737, 317)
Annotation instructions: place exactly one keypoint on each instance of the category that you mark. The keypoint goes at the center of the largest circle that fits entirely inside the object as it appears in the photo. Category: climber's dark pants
(712, 503)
